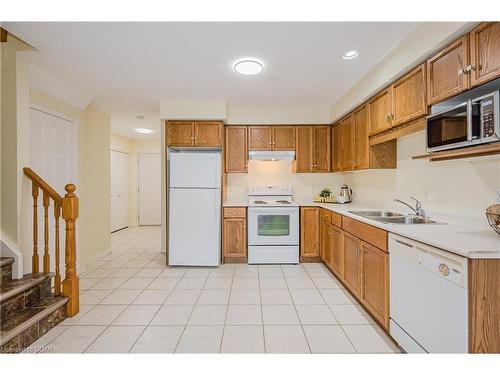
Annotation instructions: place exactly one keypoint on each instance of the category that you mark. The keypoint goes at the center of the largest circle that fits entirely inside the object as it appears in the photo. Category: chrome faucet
(419, 211)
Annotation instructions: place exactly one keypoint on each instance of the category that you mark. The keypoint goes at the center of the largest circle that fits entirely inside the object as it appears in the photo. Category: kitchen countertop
(235, 204)
(470, 238)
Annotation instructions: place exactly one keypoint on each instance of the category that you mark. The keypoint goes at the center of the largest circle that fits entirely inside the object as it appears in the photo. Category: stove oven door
(273, 226)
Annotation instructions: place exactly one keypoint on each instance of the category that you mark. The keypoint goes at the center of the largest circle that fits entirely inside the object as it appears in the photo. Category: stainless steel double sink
(391, 217)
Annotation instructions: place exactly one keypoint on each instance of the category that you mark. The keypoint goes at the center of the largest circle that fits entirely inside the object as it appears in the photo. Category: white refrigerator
(194, 221)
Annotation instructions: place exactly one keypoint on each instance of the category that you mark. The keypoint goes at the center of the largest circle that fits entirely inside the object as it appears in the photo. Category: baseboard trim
(82, 268)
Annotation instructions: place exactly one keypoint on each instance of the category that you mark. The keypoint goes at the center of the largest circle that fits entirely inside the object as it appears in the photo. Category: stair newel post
(34, 258)
(46, 255)
(57, 278)
(70, 283)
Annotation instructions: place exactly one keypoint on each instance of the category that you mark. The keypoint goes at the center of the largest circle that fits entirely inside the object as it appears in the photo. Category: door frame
(138, 187)
(128, 195)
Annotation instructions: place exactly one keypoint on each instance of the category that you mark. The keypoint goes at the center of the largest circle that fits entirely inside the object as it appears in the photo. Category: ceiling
(129, 67)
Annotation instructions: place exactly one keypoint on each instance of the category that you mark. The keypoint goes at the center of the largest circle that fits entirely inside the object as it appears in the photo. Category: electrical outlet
(498, 195)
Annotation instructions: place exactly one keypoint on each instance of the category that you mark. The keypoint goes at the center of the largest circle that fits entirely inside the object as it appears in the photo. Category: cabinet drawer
(336, 219)
(325, 214)
(235, 212)
(374, 236)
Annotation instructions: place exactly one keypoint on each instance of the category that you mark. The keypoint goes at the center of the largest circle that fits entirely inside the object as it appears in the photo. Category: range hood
(271, 155)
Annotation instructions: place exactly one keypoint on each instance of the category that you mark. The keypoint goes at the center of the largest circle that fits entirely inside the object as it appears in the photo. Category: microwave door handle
(469, 120)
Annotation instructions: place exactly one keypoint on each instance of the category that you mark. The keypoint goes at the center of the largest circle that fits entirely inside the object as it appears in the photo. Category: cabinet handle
(461, 71)
(469, 68)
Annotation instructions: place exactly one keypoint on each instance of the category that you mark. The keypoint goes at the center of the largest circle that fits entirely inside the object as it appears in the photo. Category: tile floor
(131, 302)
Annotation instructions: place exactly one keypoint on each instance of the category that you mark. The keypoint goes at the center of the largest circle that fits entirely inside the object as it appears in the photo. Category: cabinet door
(309, 233)
(235, 240)
(446, 74)
(375, 282)
(352, 263)
(361, 145)
(208, 134)
(379, 111)
(284, 138)
(321, 148)
(337, 147)
(303, 155)
(180, 133)
(324, 240)
(485, 52)
(236, 149)
(259, 138)
(348, 143)
(409, 100)
(337, 251)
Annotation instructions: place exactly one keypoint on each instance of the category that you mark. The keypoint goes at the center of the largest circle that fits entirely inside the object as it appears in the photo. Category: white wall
(462, 187)
(247, 115)
(261, 173)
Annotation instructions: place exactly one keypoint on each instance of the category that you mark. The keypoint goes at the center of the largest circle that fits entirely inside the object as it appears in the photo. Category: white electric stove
(273, 225)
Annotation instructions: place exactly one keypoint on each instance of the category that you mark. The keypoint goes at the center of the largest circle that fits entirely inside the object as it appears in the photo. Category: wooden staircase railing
(68, 207)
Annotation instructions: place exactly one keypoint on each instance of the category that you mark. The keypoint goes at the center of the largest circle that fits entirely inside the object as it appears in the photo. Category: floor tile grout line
(225, 318)
(298, 317)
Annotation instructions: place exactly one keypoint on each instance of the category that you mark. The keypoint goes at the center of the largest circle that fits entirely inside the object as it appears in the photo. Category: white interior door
(149, 189)
(54, 157)
(119, 190)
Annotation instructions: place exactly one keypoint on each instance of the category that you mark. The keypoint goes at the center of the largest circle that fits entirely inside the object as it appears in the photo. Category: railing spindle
(57, 278)
(71, 282)
(46, 255)
(34, 258)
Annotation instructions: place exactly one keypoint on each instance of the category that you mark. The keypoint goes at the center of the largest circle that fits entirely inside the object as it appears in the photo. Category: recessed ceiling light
(350, 55)
(144, 131)
(248, 66)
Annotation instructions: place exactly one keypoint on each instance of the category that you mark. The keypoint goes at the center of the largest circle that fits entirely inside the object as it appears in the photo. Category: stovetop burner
(260, 202)
(283, 201)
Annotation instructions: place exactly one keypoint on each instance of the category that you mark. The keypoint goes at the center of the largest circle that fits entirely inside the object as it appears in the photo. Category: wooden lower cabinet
(234, 235)
(337, 251)
(325, 236)
(352, 263)
(375, 282)
(309, 234)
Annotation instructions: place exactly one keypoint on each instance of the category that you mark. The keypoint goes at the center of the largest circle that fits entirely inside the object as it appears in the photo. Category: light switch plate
(498, 195)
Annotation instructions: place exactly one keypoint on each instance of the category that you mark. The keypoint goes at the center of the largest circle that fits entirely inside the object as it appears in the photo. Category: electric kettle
(345, 194)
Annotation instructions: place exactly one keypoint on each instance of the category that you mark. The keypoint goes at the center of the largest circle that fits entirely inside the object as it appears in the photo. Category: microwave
(469, 123)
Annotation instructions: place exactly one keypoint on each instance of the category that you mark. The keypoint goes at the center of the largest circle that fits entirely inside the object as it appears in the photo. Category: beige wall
(462, 187)
(133, 148)
(95, 172)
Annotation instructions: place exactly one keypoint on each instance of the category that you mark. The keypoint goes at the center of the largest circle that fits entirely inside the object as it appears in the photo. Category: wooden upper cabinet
(361, 145)
(446, 71)
(321, 148)
(208, 133)
(180, 133)
(348, 143)
(236, 149)
(379, 111)
(260, 138)
(352, 263)
(337, 147)
(484, 52)
(409, 97)
(375, 282)
(283, 138)
(309, 233)
(304, 153)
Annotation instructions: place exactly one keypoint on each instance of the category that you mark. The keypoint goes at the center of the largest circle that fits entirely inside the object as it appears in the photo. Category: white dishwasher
(428, 298)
